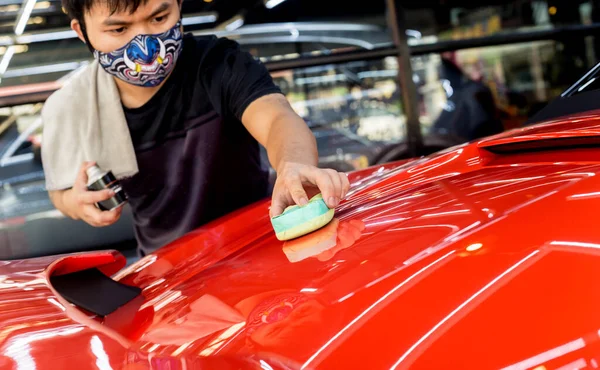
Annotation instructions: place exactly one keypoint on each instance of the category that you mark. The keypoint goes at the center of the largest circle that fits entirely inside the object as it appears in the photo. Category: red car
(484, 256)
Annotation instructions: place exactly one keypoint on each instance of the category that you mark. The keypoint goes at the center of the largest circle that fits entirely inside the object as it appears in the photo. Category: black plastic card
(93, 291)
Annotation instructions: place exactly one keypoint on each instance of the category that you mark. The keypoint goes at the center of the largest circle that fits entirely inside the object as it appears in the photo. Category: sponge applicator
(296, 221)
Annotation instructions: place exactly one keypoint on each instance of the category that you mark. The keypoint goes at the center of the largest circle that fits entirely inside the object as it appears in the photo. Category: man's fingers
(92, 197)
(117, 211)
(82, 179)
(92, 215)
(98, 218)
(332, 185)
(325, 184)
(110, 217)
(277, 207)
(297, 192)
(280, 200)
(345, 184)
(337, 185)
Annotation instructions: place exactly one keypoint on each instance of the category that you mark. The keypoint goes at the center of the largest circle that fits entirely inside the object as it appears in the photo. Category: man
(195, 123)
(470, 112)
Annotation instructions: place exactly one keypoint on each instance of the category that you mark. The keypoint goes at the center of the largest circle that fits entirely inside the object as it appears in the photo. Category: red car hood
(466, 259)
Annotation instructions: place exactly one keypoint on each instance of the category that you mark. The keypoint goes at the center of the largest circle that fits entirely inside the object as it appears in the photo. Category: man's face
(108, 32)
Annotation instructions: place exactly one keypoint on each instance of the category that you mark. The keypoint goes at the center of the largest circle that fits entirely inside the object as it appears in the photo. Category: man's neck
(133, 96)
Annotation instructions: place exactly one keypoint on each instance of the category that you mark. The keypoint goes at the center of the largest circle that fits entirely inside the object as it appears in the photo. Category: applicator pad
(296, 221)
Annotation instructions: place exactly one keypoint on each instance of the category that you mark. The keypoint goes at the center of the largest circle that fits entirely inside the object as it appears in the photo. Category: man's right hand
(80, 203)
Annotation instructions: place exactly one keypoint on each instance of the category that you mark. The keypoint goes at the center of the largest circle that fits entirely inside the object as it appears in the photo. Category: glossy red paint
(583, 125)
(462, 260)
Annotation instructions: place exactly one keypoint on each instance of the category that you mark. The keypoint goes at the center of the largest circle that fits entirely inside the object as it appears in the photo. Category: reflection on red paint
(202, 317)
(348, 233)
(324, 243)
(286, 319)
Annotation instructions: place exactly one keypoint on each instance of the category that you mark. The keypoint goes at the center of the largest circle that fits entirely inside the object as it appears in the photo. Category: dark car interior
(582, 96)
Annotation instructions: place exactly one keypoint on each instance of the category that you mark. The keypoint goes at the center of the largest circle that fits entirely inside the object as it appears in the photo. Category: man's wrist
(285, 162)
(281, 166)
(66, 204)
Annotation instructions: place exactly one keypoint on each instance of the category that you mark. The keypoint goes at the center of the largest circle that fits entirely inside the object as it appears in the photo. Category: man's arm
(56, 197)
(285, 135)
(292, 151)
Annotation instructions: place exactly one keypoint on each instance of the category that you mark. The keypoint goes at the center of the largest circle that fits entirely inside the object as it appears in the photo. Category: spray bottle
(99, 179)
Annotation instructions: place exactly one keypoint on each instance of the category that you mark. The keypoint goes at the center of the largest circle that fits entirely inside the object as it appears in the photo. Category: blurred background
(376, 81)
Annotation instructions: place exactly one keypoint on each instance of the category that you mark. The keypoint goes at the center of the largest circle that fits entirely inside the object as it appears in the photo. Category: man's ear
(76, 26)
(180, 14)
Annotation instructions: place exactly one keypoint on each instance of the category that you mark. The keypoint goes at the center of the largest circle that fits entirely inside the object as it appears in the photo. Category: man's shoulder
(71, 91)
(208, 47)
(74, 86)
(207, 42)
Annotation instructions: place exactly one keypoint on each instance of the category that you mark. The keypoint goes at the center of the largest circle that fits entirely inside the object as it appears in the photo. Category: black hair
(76, 9)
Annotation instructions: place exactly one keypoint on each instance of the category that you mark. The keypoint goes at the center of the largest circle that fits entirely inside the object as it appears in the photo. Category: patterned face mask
(146, 60)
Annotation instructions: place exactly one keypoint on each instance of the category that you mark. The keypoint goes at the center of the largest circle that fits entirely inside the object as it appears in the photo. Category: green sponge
(297, 220)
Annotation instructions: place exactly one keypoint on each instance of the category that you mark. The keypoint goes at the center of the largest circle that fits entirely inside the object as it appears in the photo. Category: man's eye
(159, 19)
(118, 30)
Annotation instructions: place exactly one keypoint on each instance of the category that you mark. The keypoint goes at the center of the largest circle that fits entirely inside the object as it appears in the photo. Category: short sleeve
(233, 78)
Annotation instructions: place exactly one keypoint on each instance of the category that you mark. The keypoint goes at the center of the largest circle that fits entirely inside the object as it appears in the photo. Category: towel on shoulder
(84, 121)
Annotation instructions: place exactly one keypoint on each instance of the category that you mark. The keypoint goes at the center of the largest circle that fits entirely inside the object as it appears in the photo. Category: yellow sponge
(296, 221)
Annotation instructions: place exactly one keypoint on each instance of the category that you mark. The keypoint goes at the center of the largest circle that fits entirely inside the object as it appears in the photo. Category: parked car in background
(481, 256)
(30, 225)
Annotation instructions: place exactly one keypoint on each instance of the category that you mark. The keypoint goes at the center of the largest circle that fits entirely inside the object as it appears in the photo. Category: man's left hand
(297, 182)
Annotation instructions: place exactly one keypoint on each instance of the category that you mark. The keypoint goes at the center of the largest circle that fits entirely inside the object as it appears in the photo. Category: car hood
(464, 259)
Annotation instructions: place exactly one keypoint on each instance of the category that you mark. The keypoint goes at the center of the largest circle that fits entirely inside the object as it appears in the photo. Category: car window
(354, 110)
(25, 146)
(583, 96)
(589, 82)
(20, 133)
(272, 42)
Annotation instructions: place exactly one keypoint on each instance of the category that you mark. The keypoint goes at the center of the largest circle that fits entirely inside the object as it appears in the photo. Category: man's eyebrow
(118, 22)
(115, 22)
(164, 6)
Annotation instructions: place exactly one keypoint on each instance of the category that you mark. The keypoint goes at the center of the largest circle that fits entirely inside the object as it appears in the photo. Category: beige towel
(84, 121)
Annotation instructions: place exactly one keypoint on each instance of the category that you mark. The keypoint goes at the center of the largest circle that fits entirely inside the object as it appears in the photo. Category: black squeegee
(92, 290)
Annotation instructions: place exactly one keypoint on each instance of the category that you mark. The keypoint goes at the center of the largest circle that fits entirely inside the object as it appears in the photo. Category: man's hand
(297, 182)
(80, 203)
(292, 151)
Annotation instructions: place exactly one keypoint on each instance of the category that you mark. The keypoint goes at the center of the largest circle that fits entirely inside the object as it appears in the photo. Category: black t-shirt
(196, 160)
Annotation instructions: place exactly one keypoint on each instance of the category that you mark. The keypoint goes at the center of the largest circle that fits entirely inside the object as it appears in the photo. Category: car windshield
(589, 82)
(581, 97)
(18, 131)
